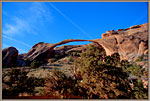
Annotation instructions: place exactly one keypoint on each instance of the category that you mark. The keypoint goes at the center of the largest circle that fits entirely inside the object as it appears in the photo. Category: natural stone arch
(70, 40)
(43, 50)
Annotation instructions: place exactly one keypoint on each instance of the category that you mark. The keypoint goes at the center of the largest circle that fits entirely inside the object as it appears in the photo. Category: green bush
(140, 58)
(139, 92)
(36, 64)
(100, 75)
(135, 70)
(90, 59)
(106, 77)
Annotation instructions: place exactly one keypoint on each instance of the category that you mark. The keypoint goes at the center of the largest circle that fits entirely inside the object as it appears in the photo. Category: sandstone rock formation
(9, 57)
(39, 51)
(129, 43)
(72, 48)
(43, 51)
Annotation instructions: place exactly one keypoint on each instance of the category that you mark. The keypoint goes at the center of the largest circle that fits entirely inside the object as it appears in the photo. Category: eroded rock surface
(129, 43)
(39, 51)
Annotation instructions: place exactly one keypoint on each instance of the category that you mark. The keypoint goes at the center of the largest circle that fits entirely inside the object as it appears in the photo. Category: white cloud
(16, 28)
(25, 23)
(34, 14)
(40, 10)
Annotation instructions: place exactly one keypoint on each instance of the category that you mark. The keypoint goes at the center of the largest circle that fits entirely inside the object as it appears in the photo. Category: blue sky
(27, 23)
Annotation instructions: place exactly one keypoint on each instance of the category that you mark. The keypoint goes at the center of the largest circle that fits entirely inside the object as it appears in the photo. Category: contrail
(67, 18)
(17, 41)
(139, 18)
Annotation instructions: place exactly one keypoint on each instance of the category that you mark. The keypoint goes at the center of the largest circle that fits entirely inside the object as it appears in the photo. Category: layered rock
(40, 51)
(9, 57)
(129, 43)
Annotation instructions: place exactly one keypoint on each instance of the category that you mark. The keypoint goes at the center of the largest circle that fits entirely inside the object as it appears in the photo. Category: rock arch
(70, 40)
(43, 50)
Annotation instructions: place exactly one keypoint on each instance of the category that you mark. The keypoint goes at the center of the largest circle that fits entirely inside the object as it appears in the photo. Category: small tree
(100, 75)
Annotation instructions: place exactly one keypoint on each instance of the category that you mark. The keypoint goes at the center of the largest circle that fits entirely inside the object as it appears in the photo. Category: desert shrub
(53, 60)
(100, 75)
(125, 64)
(132, 68)
(20, 83)
(36, 64)
(112, 60)
(97, 76)
(135, 70)
(140, 58)
(90, 59)
(58, 84)
(139, 92)
(105, 83)
(105, 76)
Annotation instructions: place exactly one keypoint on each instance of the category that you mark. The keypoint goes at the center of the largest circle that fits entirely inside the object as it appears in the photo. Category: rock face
(129, 43)
(39, 51)
(9, 57)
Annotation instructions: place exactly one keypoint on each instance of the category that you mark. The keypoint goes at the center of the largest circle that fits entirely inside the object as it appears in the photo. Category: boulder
(9, 57)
